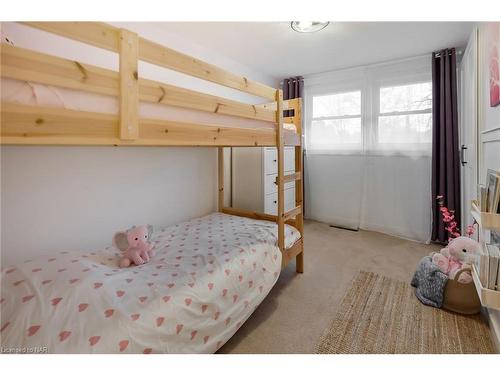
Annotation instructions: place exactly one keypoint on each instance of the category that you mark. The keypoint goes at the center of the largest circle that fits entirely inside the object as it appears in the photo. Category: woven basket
(461, 298)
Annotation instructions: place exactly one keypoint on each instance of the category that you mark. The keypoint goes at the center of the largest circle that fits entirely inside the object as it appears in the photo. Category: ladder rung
(293, 212)
(289, 178)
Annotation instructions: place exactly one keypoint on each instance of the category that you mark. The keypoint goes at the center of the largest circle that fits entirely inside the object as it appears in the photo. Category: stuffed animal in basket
(460, 252)
(135, 245)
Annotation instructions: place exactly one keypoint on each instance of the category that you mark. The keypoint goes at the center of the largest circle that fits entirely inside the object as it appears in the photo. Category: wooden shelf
(486, 220)
(488, 297)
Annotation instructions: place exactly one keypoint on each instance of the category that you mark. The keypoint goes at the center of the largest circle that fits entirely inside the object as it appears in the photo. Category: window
(379, 109)
(336, 122)
(394, 118)
(404, 117)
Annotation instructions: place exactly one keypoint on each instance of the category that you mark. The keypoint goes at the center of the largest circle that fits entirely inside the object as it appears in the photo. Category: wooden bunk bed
(36, 125)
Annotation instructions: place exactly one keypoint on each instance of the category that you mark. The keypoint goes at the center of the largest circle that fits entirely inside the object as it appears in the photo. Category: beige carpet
(300, 307)
(382, 315)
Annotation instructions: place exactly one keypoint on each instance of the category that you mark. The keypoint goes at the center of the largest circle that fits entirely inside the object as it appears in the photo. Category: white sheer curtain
(368, 147)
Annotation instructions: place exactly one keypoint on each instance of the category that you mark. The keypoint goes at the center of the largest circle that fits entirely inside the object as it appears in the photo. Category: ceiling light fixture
(308, 26)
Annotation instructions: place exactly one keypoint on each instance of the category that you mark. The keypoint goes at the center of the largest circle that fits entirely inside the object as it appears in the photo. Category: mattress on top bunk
(208, 275)
(29, 93)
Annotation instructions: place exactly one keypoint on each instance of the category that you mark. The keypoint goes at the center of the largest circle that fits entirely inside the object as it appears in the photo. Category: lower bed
(208, 275)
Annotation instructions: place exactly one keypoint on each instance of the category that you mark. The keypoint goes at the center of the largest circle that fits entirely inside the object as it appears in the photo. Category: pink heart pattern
(27, 298)
(193, 334)
(4, 327)
(123, 345)
(187, 275)
(134, 317)
(159, 321)
(179, 328)
(64, 335)
(33, 329)
(94, 340)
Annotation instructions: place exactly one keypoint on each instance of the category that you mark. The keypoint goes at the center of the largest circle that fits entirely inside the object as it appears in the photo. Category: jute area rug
(382, 315)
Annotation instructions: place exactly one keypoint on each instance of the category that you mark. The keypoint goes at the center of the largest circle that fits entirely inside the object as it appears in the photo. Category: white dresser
(254, 171)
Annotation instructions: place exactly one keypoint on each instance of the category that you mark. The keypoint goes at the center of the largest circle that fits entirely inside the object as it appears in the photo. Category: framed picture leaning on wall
(493, 38)
(493, 188)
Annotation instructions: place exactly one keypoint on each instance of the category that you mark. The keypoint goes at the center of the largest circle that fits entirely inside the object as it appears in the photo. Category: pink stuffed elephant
(134, 243)
(460, 252)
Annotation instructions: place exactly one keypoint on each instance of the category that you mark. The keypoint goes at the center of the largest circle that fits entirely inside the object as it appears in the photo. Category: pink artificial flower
(448, 218)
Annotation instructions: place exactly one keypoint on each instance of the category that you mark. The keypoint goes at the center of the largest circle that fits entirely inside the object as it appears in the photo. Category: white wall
(489, 136)
(75, 198)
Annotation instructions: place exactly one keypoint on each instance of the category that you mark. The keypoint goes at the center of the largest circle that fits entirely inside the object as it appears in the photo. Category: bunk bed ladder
(299, 182)
(296, 214)
(280, 144)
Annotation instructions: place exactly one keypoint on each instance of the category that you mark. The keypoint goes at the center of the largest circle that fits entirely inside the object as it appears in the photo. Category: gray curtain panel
(445, 142)
(292, 88)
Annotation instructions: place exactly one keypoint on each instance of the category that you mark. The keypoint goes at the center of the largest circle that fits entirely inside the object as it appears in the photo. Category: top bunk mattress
(208, 275)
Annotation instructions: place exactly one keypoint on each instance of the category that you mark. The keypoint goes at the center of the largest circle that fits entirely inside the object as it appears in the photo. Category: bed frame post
(280, 180)
(299, 184)
(129, 85)
(220, 159)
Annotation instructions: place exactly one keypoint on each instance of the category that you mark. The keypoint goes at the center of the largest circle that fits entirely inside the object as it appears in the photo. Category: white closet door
(468, 128)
